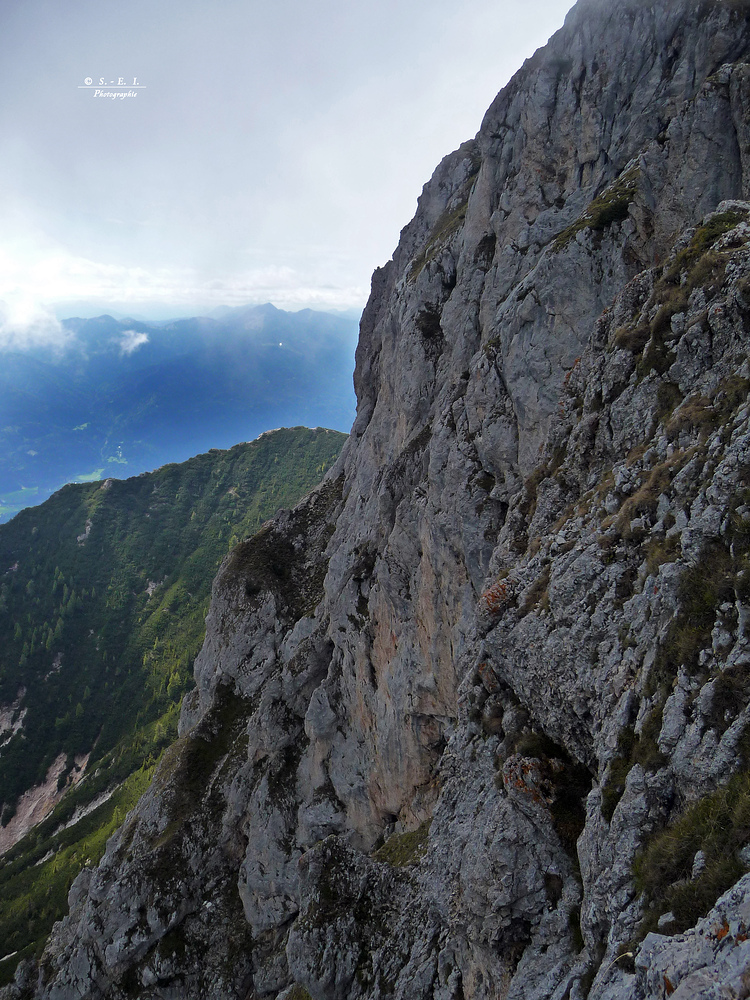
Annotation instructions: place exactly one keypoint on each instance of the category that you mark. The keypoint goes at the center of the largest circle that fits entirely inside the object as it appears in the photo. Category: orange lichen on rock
(497, 597)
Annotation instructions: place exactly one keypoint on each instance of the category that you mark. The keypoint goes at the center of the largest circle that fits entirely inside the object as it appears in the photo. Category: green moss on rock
(404, 849)
(299, 993)
(612, 205)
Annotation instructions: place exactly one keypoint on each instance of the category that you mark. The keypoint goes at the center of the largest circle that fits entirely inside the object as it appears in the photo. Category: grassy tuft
(404, 849)
(718, 825)
(659, 551)
(633, 338)
(645, 500)
(299, 993)
(610, 206)
(701, 243)
(702, 589)
(697, 266)
(632, 749)
(703, 414)
(538, 594)
(668, 396)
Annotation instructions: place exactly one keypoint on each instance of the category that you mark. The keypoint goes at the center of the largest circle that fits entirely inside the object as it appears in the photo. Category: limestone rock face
(449, 707)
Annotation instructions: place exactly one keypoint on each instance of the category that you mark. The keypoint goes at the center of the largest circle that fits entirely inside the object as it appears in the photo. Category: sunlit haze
(246, 153)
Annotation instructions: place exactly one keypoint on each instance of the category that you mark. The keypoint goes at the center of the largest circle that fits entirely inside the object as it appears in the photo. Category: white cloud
(25, 325)
(35, 274)
(131, 340)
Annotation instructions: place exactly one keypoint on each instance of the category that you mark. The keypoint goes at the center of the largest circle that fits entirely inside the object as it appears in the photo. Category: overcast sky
(273, 151)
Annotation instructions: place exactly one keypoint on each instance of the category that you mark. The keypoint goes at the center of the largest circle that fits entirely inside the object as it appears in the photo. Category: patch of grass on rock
(404, 849)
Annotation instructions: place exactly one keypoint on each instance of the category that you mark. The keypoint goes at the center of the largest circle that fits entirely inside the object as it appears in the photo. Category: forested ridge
(103, 594)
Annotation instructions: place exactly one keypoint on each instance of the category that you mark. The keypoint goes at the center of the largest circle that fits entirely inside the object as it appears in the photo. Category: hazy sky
(273, 151)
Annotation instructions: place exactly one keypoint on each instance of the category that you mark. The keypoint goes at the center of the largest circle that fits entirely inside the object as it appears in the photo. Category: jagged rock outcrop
(507, 639)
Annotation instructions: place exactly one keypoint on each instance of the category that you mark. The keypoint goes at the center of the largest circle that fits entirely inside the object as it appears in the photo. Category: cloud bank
(271, 153)
(25, 326)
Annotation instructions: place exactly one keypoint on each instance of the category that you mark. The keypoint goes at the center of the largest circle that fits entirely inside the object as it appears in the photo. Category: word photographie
(116, 93)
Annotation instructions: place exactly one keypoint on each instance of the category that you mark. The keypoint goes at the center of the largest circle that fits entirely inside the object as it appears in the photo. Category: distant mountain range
(126, 396)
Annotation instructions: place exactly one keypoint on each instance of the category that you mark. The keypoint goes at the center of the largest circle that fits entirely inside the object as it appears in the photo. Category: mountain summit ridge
(458, 713)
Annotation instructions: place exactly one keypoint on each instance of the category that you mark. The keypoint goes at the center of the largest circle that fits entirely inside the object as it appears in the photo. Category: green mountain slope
(103, 594)
(127, 396)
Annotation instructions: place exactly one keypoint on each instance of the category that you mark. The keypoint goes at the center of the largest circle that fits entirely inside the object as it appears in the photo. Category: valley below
(121, 397)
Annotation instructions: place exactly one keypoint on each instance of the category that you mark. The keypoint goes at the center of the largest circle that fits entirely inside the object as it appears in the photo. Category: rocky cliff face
(472, 720)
